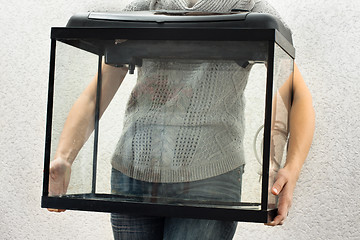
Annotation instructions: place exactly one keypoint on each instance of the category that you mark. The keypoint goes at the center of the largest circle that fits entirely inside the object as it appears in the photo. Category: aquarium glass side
(281, 105)
(75, 69)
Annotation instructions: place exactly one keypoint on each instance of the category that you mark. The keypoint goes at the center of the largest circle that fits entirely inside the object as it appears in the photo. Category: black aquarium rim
(152, 33)
(49, 117)
(156, 209)
(267, 127)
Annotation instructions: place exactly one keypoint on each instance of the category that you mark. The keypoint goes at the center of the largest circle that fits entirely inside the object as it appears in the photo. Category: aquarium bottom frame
(102, 203)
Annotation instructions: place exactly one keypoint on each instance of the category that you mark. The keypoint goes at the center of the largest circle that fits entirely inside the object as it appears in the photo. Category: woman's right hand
(59, 178)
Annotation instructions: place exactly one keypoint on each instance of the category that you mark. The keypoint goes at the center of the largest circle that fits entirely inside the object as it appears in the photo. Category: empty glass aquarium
(177, 104)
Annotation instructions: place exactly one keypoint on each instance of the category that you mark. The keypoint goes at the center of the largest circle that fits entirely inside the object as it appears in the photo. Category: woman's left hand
(283, 187)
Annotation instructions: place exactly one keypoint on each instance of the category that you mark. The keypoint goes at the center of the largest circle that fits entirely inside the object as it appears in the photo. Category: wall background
(326, 201)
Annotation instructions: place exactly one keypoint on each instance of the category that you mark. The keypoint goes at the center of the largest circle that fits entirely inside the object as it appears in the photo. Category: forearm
(302, 125)
(77, 129)
(80, 122)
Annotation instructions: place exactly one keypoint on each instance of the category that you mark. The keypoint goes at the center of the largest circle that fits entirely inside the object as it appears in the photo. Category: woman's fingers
(284, 188)
(56, 210)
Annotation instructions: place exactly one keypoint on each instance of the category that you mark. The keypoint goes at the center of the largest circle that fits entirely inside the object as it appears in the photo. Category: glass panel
(190, 124)
(73, 72)
(111, 124)
(283, 77)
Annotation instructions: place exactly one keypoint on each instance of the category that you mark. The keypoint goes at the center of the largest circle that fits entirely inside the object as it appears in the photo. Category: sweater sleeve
(263, 6)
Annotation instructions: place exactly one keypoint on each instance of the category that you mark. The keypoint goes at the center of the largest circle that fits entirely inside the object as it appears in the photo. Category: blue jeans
(225, 187)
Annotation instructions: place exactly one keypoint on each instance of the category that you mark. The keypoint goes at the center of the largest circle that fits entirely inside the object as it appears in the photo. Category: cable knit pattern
(201, 5)
(140, 5)
(184, 120)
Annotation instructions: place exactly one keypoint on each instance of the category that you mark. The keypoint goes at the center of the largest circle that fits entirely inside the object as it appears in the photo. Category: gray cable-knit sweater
(184, 120)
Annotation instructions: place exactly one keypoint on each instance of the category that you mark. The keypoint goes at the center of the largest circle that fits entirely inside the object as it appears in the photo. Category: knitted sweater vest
(185, 119)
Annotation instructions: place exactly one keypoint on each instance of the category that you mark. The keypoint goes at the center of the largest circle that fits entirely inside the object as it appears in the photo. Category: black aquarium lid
(179, 19)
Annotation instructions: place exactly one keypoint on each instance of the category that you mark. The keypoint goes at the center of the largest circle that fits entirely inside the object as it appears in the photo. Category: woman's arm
(302, 125)
(80, 121)
(79, 126)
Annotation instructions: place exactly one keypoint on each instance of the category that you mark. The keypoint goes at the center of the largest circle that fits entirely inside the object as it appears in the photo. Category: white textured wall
(326, 202)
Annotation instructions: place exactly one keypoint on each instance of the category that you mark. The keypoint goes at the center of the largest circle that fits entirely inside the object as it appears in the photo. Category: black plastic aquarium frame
(80, 37)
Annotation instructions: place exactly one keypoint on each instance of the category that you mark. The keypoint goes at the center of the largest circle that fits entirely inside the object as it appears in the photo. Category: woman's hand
(60, 171)
(283, 187)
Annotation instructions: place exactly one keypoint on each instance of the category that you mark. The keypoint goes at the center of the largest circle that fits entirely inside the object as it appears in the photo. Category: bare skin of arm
(79, 125)
(302, 125)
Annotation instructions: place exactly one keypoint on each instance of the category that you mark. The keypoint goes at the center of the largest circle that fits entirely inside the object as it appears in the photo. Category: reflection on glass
(253, 141)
